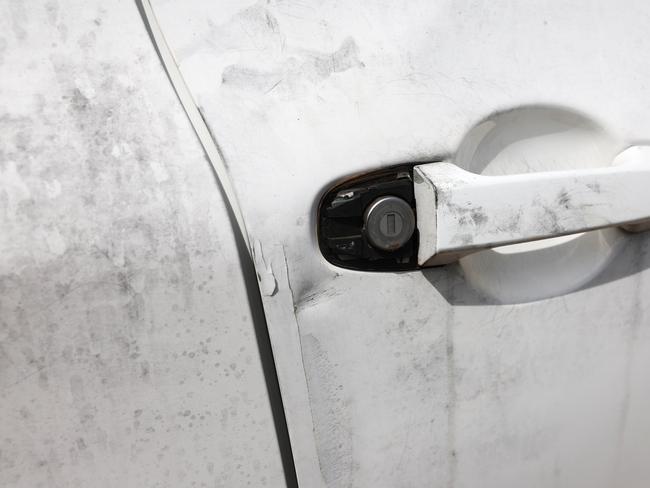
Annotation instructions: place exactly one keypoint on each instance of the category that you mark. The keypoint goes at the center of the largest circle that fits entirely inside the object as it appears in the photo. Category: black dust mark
(318, 296)
(286, 67)
(258, 24)
(595, 187)
(512, 224)
(478, 216)
(344, 58)
(564, 199)
(299, 66)
(549, 221)
(633, 322)
(465, 215)
(78, 101)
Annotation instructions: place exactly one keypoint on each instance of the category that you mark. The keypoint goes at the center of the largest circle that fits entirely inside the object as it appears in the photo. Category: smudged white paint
(268, 284)
(53, 188)
(85, 86)
(55, 242)
(159, 171)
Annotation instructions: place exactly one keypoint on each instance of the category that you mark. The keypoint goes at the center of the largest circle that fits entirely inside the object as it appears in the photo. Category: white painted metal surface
(461, 212)
(526, 369)
(127, 349)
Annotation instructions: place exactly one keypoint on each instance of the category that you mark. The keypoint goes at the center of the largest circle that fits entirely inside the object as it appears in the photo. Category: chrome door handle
(459, 212)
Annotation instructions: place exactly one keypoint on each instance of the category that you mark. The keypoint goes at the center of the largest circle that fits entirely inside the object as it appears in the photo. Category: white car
(368, 244)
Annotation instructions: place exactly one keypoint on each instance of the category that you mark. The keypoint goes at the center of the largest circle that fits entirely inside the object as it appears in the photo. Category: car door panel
(509, 368)
(128, 351)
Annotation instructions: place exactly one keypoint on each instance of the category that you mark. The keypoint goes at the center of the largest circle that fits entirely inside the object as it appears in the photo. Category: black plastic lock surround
(342, 236)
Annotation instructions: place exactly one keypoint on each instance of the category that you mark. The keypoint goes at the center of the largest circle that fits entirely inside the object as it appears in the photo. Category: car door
(516, 366)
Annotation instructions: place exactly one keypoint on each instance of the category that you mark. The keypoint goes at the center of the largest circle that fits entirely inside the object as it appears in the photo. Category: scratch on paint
(302, 354)
(452, 460)
(318, 296)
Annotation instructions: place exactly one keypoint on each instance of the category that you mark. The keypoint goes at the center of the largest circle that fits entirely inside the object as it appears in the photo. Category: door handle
(459, 212)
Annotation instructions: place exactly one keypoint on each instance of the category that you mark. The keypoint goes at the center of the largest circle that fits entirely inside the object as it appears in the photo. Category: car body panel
(523, 366)
(128, 353)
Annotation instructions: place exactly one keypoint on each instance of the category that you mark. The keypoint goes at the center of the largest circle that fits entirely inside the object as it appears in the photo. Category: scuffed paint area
(127, 349)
